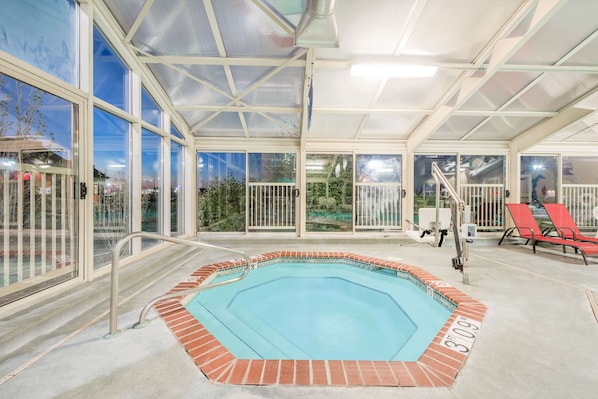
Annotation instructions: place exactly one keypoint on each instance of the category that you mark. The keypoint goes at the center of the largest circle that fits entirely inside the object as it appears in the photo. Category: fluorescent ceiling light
(393, 70)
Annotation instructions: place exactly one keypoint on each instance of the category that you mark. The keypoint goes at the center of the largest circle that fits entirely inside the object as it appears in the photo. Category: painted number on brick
(461, 334)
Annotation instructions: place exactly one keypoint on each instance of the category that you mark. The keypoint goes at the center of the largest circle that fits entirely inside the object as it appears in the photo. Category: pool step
(84, 301)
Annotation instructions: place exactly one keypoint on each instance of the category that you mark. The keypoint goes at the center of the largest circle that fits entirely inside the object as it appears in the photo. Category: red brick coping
(437, 367)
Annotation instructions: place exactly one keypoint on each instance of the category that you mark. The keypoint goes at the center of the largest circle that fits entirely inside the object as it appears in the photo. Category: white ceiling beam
(500, 51)
(346, 64)
(571, 114)
(545, 129)
(140, 17)
(278, 19)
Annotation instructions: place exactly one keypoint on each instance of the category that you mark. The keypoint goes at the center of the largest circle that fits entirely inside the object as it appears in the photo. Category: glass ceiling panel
(334, 126)
(440, 33)
(247, 31)
(184, 90)
(176, 28)
(457, 127)
(283, 89)
(582, 131)
(588, 55)
(226, 124)
(391, 126)
(498, 90)
(125, 12)
(416, 93)
(337, 88)
(565, 30)
(284, 125)
(503, 128)
(212, 74)
(555, 91)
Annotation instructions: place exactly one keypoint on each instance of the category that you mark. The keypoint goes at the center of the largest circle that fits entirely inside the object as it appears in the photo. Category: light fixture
(393, 70)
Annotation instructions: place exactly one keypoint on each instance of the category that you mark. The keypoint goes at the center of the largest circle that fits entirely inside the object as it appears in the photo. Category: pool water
(325, 311)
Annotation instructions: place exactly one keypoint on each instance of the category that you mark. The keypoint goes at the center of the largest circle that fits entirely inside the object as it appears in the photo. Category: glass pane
(580, 170)
(177, 194)
(150, 112)
(110, 74)
(272, 192)
(538, 179)
(378, 192)
(481, 184)
(425, 185)
(50, 43)
(221, 191)
(151, 183)
(111, 181)
(175, 132)
(329, 192)
(278, 167)
(38, 212)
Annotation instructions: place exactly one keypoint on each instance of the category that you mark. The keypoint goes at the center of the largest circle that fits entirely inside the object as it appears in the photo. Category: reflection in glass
(150, 111)
(110, 74)
(37, 174)
(378, 192)
(425, 185)
(481, 184)
(50, 43)
(111, 184)
(221, 191)
(538, 179)
(329, 192)
(177, 194)
(151, 183)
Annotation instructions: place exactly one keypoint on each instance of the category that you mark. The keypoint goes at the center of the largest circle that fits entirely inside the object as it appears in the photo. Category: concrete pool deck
(538, 338)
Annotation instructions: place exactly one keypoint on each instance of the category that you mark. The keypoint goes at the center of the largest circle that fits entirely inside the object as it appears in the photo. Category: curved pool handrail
(115, 268)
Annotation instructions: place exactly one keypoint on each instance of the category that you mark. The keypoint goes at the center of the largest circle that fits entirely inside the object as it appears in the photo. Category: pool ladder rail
(142, 317)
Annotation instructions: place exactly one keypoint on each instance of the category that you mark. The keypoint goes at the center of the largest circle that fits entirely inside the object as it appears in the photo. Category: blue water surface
(330, 311)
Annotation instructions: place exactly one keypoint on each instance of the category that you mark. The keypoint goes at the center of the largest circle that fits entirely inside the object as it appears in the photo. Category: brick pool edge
(437, 367)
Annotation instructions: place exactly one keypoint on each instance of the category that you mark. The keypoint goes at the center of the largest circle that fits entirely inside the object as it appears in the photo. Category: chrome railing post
(115, 269)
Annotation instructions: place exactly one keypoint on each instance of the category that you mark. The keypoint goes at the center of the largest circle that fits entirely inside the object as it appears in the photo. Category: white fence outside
(581, 199)
(271, 206)
(378, 206)
(487, 202)
(36, 222)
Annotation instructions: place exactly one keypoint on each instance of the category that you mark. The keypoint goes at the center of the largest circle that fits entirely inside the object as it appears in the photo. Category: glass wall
(177, 192)
(378, 192)
(539, 174)
(51, 43)
(221, 178)
(329, 192)
(272, 191)
(38, 172)
(151, 183)
(481, 186)
(111, 81)
(580, 190)
(424, 185)
(111, 183)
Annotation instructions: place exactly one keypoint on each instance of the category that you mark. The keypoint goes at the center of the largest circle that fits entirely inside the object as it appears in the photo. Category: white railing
(487, 202)
(581, 199)
(271, 206)
(36, 222)
(378, 206)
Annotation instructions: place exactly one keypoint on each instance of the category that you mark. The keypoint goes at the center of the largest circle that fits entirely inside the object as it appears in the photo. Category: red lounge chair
(528, 228)
(564, 223)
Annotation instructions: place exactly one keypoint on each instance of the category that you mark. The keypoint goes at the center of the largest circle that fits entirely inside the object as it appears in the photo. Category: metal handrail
(115, 266)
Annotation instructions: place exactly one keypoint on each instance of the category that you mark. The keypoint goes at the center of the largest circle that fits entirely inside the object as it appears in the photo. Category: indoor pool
(324, 318)
(331, 310)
